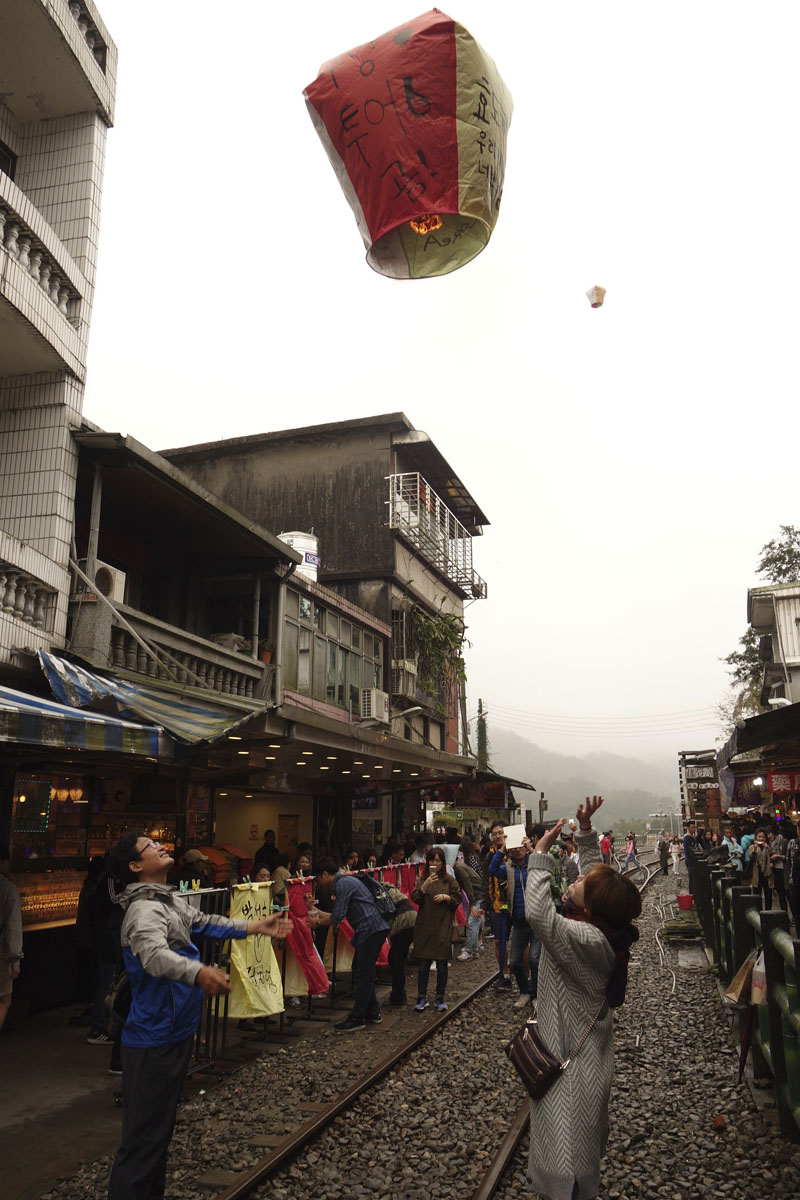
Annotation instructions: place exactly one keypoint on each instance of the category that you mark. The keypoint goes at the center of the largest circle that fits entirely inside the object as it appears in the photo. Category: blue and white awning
(32, 721)
(186, 717)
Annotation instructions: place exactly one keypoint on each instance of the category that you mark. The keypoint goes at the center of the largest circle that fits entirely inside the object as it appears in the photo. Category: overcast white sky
(633, 459)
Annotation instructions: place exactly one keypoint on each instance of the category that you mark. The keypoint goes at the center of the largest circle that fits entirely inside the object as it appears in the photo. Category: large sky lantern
(415, 125)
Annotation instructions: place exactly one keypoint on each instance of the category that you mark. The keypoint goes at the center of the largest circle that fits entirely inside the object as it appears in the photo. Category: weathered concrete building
(395, 526)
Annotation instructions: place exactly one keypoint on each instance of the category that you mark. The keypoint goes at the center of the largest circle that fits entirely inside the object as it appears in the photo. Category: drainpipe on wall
(279, 634)
(256, 612)
(94, 522)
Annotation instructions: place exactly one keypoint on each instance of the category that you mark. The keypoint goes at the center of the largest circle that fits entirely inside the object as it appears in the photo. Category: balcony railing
(22, 245)
(91, 34)
(192, 660)
(26, 598)
(420, 515)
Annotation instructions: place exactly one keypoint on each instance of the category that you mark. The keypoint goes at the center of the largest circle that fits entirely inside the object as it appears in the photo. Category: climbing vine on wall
(439, 642)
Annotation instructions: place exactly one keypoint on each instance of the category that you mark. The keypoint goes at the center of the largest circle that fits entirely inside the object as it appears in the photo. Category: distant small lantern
(596, 296)
(415, 125)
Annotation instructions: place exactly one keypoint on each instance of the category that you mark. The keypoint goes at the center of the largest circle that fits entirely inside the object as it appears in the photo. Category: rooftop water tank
(307, 545)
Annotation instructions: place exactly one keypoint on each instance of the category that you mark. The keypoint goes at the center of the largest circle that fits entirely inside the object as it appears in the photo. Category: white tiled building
(774, 612)
(57, 83)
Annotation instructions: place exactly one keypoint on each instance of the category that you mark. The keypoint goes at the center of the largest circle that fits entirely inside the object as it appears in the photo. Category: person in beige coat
(438, 896)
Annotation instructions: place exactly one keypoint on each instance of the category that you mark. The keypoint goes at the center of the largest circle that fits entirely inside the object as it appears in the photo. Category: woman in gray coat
(583, 968)
(438, 896)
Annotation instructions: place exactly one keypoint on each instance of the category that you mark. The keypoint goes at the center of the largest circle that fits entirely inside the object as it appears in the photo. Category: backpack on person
(120, 996)
(383, 901)
(118, 1000)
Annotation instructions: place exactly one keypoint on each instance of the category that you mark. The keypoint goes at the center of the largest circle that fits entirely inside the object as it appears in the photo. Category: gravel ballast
(432, 1127)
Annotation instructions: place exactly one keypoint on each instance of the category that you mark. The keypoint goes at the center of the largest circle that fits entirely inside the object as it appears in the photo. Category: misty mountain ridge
(632, 789)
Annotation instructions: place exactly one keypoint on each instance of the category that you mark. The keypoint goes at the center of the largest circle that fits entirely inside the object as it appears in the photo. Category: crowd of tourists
(554, 910)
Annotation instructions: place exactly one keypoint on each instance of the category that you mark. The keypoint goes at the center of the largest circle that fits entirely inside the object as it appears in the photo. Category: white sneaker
(523, 1000)
(465, 956)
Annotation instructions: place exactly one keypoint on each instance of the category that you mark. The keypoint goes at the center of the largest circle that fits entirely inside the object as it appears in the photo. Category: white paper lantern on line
(596, 296)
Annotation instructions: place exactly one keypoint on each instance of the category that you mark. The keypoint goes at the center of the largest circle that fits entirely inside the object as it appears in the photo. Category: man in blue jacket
(353, 901)
(167, 984)
(511, 867)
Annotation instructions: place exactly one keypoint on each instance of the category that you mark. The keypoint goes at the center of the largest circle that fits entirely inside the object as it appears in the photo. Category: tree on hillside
(744, 695)
(780, 557)
(483, 739)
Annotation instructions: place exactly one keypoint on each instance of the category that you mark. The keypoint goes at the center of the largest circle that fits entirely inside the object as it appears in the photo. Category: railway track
(286, 1150)
(280, 1155)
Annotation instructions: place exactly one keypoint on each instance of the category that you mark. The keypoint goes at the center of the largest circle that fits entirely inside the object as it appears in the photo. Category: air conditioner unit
(404, 681)
(110, 582)
(374, 705)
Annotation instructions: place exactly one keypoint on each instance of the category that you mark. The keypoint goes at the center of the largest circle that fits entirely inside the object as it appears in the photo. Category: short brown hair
(610, 895)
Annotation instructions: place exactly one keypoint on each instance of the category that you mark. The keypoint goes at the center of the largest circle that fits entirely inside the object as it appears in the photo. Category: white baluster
(19, 603)
(34, 270)
(11, 592)
(44, 276)
(55, 284)
(39, 608)
(12, 233)
(75, 9)
(3, 219)
(63, 297)
(3, 582)
(24, 257)
(30, 600)
(117, 648)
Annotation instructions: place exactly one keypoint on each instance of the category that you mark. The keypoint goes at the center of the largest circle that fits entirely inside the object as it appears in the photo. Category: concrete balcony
(41, 293)
(32, 600)
(183, 657)
(56, 59)
(193, 660)
(423, 518)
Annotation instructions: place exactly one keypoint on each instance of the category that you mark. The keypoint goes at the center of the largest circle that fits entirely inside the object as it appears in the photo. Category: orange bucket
(685, 902)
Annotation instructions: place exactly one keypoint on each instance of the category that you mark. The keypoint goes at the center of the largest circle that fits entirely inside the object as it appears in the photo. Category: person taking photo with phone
(438, 896)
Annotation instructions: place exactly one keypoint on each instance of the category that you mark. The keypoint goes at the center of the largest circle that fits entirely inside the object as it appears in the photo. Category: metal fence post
(716, 876)
(703, 899)
(726, 932)
(744, 936)
(773, 965)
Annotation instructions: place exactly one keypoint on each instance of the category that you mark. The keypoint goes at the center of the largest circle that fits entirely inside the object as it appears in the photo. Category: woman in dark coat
(438, 896)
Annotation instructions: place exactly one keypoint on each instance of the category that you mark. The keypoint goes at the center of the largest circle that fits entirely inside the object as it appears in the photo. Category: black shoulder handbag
(537, 1067)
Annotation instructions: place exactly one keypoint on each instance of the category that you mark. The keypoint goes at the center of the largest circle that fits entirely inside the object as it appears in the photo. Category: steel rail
(294, 1142)
(491, 1180)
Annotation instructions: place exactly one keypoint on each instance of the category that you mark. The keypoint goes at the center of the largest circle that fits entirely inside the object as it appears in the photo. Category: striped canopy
(32, 721)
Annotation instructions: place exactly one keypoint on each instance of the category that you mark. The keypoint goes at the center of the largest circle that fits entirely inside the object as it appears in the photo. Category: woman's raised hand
(547, 840)
(585, 813)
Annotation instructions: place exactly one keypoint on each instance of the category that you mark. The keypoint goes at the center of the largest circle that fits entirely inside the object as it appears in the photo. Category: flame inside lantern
(427, 224)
